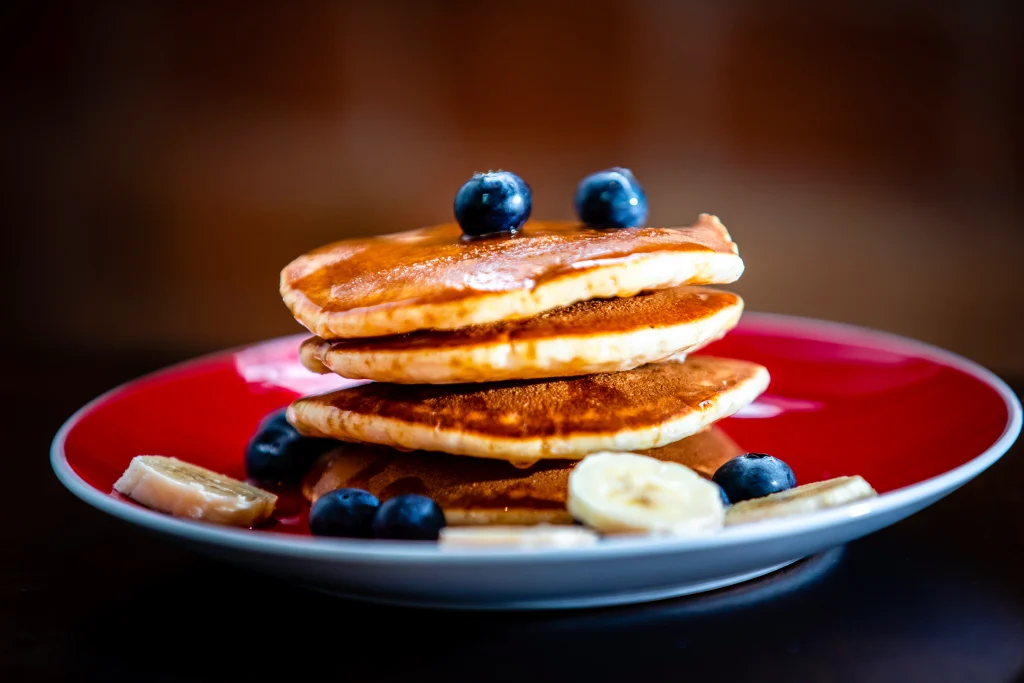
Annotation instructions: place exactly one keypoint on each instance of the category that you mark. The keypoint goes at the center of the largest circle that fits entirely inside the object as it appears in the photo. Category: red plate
(913, 420)
(842, 400)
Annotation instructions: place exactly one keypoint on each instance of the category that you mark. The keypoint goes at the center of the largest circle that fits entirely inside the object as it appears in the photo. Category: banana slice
(626, 492)
(185, 490)
(538, 536)
(807, 498)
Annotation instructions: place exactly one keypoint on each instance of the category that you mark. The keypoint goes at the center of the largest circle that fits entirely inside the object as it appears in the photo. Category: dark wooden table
(938, 597)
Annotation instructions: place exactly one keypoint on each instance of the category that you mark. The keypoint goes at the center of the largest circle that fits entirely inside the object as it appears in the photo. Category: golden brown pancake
(600, 335)
(525, 421)
(475, 491)
(433, 278)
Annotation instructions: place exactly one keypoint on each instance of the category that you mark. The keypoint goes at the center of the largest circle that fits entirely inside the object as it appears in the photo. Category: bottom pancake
(474, 491)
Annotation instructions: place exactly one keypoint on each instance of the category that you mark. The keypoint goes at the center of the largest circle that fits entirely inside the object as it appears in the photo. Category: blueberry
(721, 492)
(277, 453)
(611, 199)
(493, 202)
(753, 475)
(344, 512)
(412, 517)
(278, 418)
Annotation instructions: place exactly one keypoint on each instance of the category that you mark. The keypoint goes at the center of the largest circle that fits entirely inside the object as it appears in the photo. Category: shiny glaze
(461, 483)
(842, 401)
(437, 264)
(664, 308)
(590, 404)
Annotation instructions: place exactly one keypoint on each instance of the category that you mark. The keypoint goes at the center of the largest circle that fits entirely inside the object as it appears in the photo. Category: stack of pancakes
(499, 362)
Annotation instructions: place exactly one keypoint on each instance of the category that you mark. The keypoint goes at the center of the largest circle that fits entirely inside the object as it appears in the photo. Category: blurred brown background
(165, 159)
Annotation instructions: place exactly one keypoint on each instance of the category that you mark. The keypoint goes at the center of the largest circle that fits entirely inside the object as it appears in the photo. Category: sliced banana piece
(185, 490)
(538, 536)
(630, 493)
(807, 498)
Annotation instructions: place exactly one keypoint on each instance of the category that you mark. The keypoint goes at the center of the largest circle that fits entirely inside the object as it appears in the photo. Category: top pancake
(433, 278)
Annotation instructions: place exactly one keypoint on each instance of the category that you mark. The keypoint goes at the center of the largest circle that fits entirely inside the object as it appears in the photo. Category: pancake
(526, 421)
(473, 491)
(433, 278)
(602, 335)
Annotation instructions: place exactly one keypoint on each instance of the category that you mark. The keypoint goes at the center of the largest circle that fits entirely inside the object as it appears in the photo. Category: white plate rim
(336, 549)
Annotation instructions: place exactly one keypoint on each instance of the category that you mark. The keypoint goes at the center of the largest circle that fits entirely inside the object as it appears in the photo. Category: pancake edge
(537, 358)
(346, 426)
